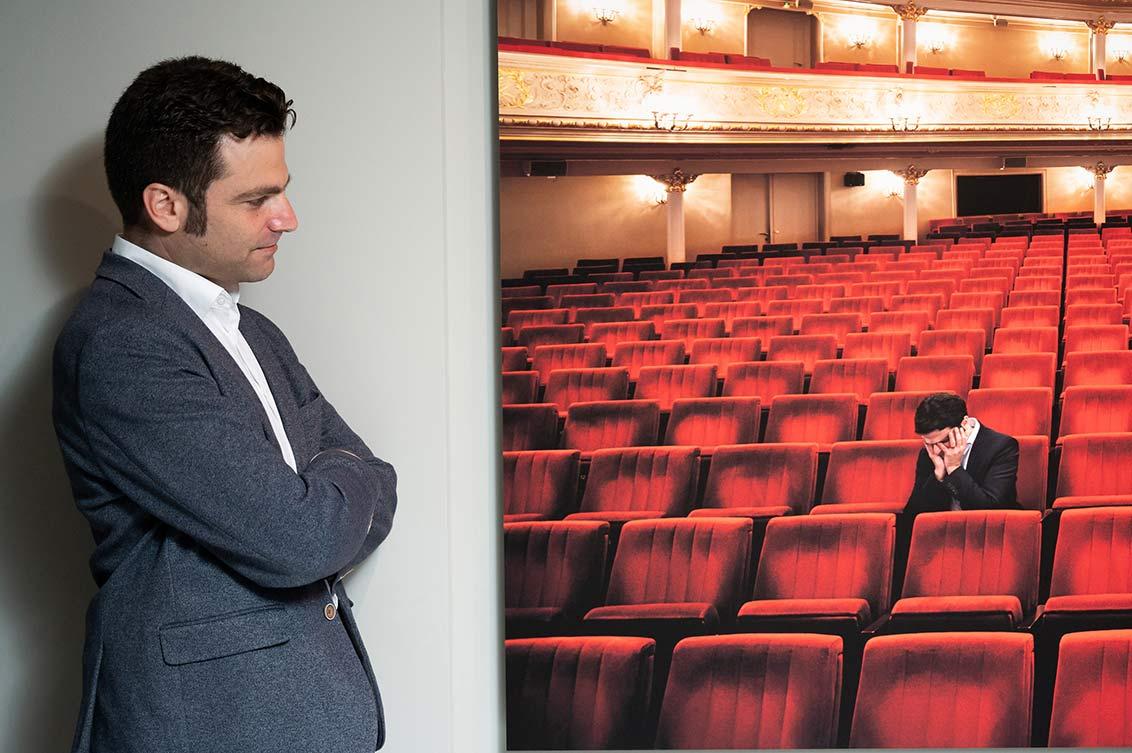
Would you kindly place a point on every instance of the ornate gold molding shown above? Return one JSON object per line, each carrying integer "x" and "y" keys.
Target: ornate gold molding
{"x": 1100, "y": 170}
{"x": 911, "y": 174}
{"x": 910, "y": 11}
{"x": 1100, "y": 25}
{"x": 675, "y": 181}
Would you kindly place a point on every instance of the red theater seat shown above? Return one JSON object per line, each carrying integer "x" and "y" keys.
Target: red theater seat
{"x": 506, "y": 337}
{"x": 723, "y": 351}
{"x": 616, "y": 423}
{"x": 631, "y": 483}
{"x": 1098, "y": 368}
{"x": 921, "y": 286}
{"x": 954, "y": 342}
{"x": 1019, "y": 370}
{"x": 760, "y": 481}
{"x": 820, "y": 419}
{"x": 1015, "y": 411}
{"x": 1033, "y": 471}
{"x": 970, "y": 570}
{"x": 891, "y": 415}
{"x": 550, "y": 679}
{"x": 667, "y": 383}
{"x": 516, "y": 320}
{"x": 514, "y": 359}
{"x": 945, "y": 690}
{"x": 525, "y": 303}
{"x": 859, "y": 376}
{"x": 1092, "y": 691}
{"x": 707, "y": 422}
{"x": 838, "y": 325}
{"x": 521, "y": 291}
{"x": 930, "y": 304}
{"x": 565, "y": 387}
{"x": 530, "y": 427}
{"x": 703, "y": 297}
{"x": 1095, "y": 410}
{"x": 953, "y": 373}
{"x": 911, "y": 322}
{"x": 866, "y": 306}
{"x": 1087, "y": 338}
{"x": 534, "y": 335}
{"x": 805, "y": 348}
{"x": 639, "y": 300}
{"x": 873, "y": 476}
{"x": 610, "y": 334}
{"x": 796, "y": 309}
{"x": 635, "y": 355}
{"x": 589, "y": 317}
{"x": 827, "y": 573}
{"x": 552, "y": 574}
{"x": 556, "y": 292}
{"x": 973, "y": 318}
{"x": 1096, "y": 469}
{"x": 1087, "y": 314}
{"x": 752, "y": 691}
{"x": 665, "y": 312}
{"x": 1034, "y": 297}
{"x": 687, "y": 330}
{"x": 891, "y": 346}
{"x": 729, "y": 312}
{"x": 764, "y": 380}
{"x": 586, "y": 300}
{"x": 1026, "y": 340}
{"x": 883, "y": 290}
{"x": 539, "y": 484}
{"x": 1090, "y": 297}
{"x": 762, "y": 327}
{"x": 547, "y": 358}
{"x": 1092, "y": 566}
{"x": 681, "y": 575}
{"x": 519, "y": 387}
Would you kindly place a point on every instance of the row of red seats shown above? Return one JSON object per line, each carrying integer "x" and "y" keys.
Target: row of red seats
{"x": 933, "y": 690}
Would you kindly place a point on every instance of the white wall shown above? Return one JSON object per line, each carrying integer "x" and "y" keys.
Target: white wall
{"x": 391, "y": 161}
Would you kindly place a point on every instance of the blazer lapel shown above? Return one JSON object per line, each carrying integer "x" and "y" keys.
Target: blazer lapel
{"x": 280, "y": 385}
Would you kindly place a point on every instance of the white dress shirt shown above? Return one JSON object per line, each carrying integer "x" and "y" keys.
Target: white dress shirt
{"x": 967, "y": 454}
{"x": 217, "y": 308}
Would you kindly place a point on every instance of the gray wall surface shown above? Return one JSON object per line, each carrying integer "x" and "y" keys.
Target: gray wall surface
{"x": 385, "y": 291}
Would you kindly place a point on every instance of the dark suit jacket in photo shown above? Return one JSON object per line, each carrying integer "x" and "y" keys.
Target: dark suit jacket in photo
{"x": 208, "y": 631}
{"x": 988, "y": 482}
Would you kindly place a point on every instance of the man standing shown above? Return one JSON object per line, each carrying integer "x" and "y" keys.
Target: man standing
{"x": 226, "y": 496}
{"x": 964, "y": 465}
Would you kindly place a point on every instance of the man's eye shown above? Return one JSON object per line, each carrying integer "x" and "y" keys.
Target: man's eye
{"x": 258, "y": 202}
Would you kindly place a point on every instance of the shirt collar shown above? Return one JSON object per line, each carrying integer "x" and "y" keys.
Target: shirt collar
{"x": 199, "y": 293}
{"x": 973, "y": 434}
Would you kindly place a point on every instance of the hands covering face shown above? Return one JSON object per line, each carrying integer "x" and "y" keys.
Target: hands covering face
{"x": 947, "y": 455}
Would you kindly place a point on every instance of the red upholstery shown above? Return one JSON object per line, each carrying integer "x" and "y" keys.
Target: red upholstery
{"x": 610, "y": 334}
{"x": 588, "y": 317}
{"x": 1096, "y": 469}
{"x": 945, "y": 690}
{"x": 798, "y": 309}
{"x": 1089, "y": 280}
{"x": 929, "y": 302}
{"x": 1038, "y": 282}
{"x": 762, "y": 327}
{"x": 525, "y": 303}
{"x": 1087, "y": 314}
{"x": 639, "y": 300}
{"x": 838, "y": 325}
{"x": 1026, "y": 339}
{"x": 747, "y": 61}
{"x": 891, "y": 415}
{"x": 1019, "y": 370}
{"x": 972, "y": 318}
{"x": 557, "y": 291}
{"x": 1015, "y": 411}
{"x": 1092, "y": 696}
{"x": 864, "y": 305}
{"x": 817, "y": 568}
{"x": 760, "y": 480}
{"x": 663, "y": 312}
{"x": 552, "y": 574}
{"x": 534, "y": 335}
{"x": 764, "y": 380}
{"x": 731, "y": 311}
{"x": 1098, "y": 368}
{"x": 659, "y": 481}
{"x": 577, "y": 692}
{"x": 506, "y": 337}
{"x": 944, "y": 288}
{"x": 519, "y": 387}
{"x": 761, "y": 295}
{"x": 954, "y": 342}
{"x": 723, "y": 351}
{"x": 1034, "y": 297}
{"x": 707, "y": 422}
{"x": 1092, "y": 563}
{"x": 680, "y": 568}
{"x": 565, "y": 387}
{"x": 539, "y": 484}
{"x": 821, "y": 419}
{"x": 891, "y": 346}
{"x": 956, "y": 559}
{"x": 586, "y": 300}
{"x": 667, "y": 383}
{"x": 687, "y": 330}
{"x": 912, "y": 322}
{"x": 530, "y": 427}
{"x": 514, "y": 359}
{"x": 521, "y": 291}
{"x": 878, "y": 472}
{"x": 859, "y": 376}
{"x": 752, "y": 691}
{"x": 805, "y": 348}
{"x": 634, "y": 355}
{"x": 699, "y": 57}
{"x": 1096, "y": 410}
{"x": 935, "y": 373}
{"x": 1093, "y": 337}
{"x": 617, "y": 423}
{"x": 703, "y": 297}
{"x": 1090, "y": 297}
{"x": 547, "y": 358}
{"x": 531, "y": 317}
{"x": 1033, "y": 471}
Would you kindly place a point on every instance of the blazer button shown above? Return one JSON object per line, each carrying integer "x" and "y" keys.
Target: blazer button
{"x": 329, "y": 611}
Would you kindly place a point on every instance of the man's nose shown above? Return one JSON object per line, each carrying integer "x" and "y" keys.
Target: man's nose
{"x": 284, "y": 220}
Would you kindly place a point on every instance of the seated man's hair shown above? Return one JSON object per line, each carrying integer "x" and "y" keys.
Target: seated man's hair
{"x": 943, "y": 410}
{"x": 166, "y": 128}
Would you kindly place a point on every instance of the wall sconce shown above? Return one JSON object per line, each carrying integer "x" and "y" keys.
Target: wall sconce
{"x": 934, "y": 38}
{"x": 605, "y": 15}
{"x": 905, "y": 122}
{"x": 860, "y": 39}
{"x": 1100, "y": 122}
{"x": 703, "y": 25}
{"x": 671, "y": 121}
{"x": 859, "y": 32}
{"x": 650, "y": 191}
{"x": 1057, "y": 48}
{"x": 1118, "y": 48}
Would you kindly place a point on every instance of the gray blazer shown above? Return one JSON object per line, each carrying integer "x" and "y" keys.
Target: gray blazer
{"x": 208, "y": 631}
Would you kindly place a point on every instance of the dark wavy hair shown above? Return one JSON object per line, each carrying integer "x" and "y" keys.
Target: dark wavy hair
{"x": 943, "y": 410}
{"x": 166, "y": 128}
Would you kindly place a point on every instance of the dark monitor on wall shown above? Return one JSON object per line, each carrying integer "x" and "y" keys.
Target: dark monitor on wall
{"x": 1012, "y": 193}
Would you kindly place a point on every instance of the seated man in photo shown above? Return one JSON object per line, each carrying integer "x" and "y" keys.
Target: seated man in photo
{"x": 964, "y": 465}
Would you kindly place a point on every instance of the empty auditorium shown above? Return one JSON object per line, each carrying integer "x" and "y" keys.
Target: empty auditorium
{"x": 816, "y": 388}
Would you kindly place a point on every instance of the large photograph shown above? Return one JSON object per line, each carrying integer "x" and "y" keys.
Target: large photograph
{"x": 816, "y": 382}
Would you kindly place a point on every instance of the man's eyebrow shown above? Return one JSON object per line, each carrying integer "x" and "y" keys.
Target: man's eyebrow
{"x": 262, "y": 191}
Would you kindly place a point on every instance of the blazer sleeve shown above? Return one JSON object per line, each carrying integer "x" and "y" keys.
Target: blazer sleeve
{"x": 928, "y": 494}
{"x": 999, "y": 487}
{"x": 159, "y": 429}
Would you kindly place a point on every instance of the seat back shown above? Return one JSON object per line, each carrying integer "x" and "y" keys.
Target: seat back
{"x": 764, "y": 379}
{"x": 1093, "y": 337}
{"x": 1090, "y": 695}
{"x": 565, "y": 387}
{"x": 1096, "y": 410}
{"x": 767, "y": 475}
{"x": 838, "y": 325}
{"x": 912, "y": 322}
{"x": 547, "y": 358}
{"x": 540, "y": 482}
{"x": 953, "y": 373}
{"x": 1011, "y": 370}
{"x": 614, "y": 423}
{"x": 877, "y": 471}
{"x": 723, "y": 351}
{"x": 668, "y": 383}
{"x": 805, "y": 348}
{"x": 1015, "y": 411}
{"x": 688, "y": 330}
{"x": 828, "y": 557}
{"x": 707, "y": 422}
{"x": 550, "y": 679}
{"x": 1030, "y": 316}
{"x": 637, "y": 479}
{"x": 976, "y": 553}
{"x": 945, "y": 690}
{"x": 1093, "y": 554}
{"x": 1098, "y": 368}
{"x": 530, "y": 427}
{"x": 762, "y": 327}
{"x": 823, "y": 419}
{"x": 891, "y": 415}
{"x": 634, "y": 355}
{"x": 858, "y": 376}
{"x": 891, "y": 346}
{"x": 954, "y": 342}
{"x": 555, "y": 564}
{"x": 610, "y": 334}
{"x": 752, "y": 691}
{"x": 518, "y": 387}
{"x": 1026, "y": 340}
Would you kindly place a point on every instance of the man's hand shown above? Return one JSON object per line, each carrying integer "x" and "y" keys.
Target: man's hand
{"x": 952, "y": 451}
{"x": 935, "y": 454}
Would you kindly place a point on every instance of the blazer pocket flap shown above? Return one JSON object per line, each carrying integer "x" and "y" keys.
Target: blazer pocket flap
{"x": 223, "y": 635}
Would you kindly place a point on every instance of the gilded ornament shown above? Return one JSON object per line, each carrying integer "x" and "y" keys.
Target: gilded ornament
{"x": 513, "y": 88}
{"x": 909, "y": 11}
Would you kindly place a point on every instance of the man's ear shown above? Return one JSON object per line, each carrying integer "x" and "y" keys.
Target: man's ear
{"x": 165, "y": 207}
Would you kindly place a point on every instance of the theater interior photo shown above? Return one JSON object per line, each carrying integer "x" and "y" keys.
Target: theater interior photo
{"x": 740, "y": 243}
